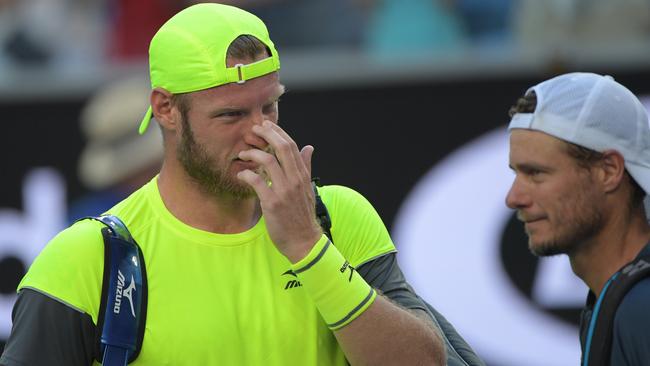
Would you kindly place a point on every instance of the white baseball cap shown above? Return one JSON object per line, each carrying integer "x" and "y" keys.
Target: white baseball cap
{"x": 596, "y": 112}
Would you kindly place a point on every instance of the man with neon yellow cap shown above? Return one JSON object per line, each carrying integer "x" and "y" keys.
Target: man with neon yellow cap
{"x": 239, "y": 271}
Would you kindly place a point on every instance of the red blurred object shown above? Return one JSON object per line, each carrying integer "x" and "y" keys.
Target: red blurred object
{"x": 133, "y": 23}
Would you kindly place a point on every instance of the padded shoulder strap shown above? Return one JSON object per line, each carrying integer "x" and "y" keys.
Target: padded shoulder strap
{"x": 322, "y": 215}
{"x": 598, "y": 346}
{"x": 123, "y": 309}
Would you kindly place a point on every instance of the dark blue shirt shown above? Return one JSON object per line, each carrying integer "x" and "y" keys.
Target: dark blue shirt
{"x": 631, "y": 338}
{"x": 631, "y": 332}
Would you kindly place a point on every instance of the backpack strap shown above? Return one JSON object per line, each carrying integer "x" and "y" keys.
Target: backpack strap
{"x": 598, "y": 345}
{"x": 322, "y": 215}
{"x": 123, "y": 308}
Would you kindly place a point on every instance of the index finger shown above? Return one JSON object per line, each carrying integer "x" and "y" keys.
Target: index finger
{"x": 305, "y": 167}
{"x": 286, "y": 150}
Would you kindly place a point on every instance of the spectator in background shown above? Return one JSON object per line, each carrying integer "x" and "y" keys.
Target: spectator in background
{"x": 585, "y": 23}
{"x": 51, "y": 33}
{"x": 133, "y": 23}
{"x": 116, "y": 160}
{"x": 487, "y": 22}
{"x": 413, "y": 26}
{"x": 23, "y": 39}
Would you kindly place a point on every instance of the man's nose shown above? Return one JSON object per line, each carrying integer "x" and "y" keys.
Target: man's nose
{"x": 250, "y": 137}
{"x": 517, "y": 196}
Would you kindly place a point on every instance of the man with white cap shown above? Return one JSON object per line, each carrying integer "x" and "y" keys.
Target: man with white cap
{"x": 580, "y": 151}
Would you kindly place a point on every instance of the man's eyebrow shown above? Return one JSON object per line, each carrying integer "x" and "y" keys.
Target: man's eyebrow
{"x": 227, "y": 109}
{"x": 530, "y": 166}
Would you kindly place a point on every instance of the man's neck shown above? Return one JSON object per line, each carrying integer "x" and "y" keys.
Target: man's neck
{"x": 190, "y": 204}
{"x": 620, "y": 241}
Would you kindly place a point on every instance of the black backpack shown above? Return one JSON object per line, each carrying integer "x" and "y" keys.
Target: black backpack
{"x": 598, "y": 344}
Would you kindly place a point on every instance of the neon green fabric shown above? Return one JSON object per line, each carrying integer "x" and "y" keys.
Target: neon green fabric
{"x": 214, "y": 299}
{"x": 188, "y": 53}
{"x": 330, "y": 281}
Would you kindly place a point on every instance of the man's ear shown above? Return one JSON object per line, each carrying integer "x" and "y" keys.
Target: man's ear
{"x": 163, "y": 109}
{"x": 612, "y": 168}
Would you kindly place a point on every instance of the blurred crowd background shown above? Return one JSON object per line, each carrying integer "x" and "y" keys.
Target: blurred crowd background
{"x": 404, "y": 100}
{"x": 63, "y": 35}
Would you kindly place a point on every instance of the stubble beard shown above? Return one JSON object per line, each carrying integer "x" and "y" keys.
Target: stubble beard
{"x": 206, "y": 172}
{"x": 572, "y": 230}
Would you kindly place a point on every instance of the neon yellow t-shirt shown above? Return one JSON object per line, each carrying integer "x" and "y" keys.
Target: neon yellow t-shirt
{"x": 213, "y": 299}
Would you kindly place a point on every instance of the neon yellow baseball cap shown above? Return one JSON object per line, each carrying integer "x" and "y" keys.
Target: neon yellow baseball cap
{"x": 188, "y": 53}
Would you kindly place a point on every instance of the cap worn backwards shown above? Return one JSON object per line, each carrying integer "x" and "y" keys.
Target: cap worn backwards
{"x": 595, "y": 112}
{"x": 188, "y": 53}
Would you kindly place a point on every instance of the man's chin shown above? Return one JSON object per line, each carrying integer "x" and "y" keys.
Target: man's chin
{"x": 546, "y": 249}
{"x": 241, "y": 191}
{"x": 228, "y": 188}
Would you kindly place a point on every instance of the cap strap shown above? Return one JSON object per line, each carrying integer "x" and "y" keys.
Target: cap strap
{"x": 521, "y": 120}
{"x": 240, "y": 73}
{"x": 145, "y": 121}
